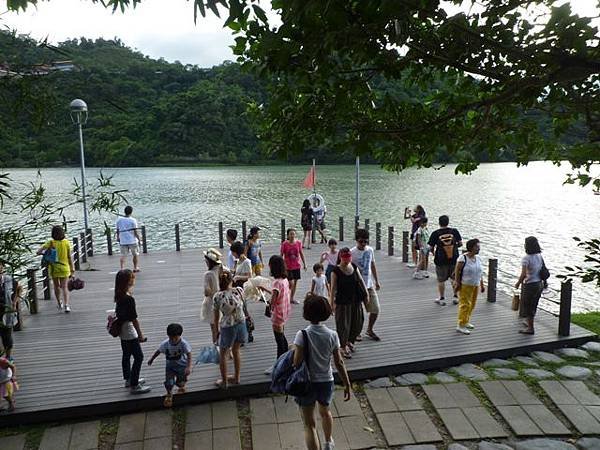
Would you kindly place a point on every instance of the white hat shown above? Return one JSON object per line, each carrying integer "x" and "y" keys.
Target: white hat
{"x": 214, "y": 255}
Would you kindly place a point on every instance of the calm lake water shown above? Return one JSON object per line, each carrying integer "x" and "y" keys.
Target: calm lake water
{"x": 500, "y": 204}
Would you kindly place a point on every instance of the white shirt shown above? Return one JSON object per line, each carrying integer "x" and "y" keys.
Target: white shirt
{"x": 323, "y": 342}
{"x": 320, "y": 286}
{"x": 126, "y": 226}
{"x": 243, "y": 268}
{"x": 472, "y": 270}
{"x": 533, "y": 265}
{"x": 363, "y": 259}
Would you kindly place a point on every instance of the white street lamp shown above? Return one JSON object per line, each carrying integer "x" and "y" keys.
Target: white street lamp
{"x": 79, "y": 116}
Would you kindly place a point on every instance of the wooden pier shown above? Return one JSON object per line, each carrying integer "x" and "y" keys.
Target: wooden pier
{"x": 70, "y": 367}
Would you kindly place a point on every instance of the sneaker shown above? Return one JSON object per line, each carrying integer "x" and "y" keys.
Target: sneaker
{"x": 425, "y": 274}
{"x": 269, "y": 371}
{"x": 441, "y": 301}
{"x": 417, "y": 276}
{"x": 60, "y": 306}
{"x": 462, "y": 330}
{"x": 140, "y": 389}
{"x": 469, "y": 326}
{"x": 294, "y": 302}
{"x": 330, "y": 445}
{"x": 140, "y": 381}
{"x": 67, "y": 309}
{"x": 455, "y": 301}
{"x": 410, "y": 265}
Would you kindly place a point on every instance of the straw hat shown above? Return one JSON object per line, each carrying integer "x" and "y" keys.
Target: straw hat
{"x": 214, "y": 255}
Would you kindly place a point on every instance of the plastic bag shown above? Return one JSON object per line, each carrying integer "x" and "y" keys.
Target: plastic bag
{"x": 208, "y": 355}
{"x": 251, "y": 291}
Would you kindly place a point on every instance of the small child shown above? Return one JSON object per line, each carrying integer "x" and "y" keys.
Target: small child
{"x": 422, "y": 237}
{"x": 8, "y": 382}
{"x": 179, "y": 361}
{"x": 331, "y": 257}
{"x": 319, "y": 286}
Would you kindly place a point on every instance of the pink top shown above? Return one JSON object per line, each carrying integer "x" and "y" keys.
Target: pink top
{"x": 291, "y": 254}
{"x": 281, "y": 308}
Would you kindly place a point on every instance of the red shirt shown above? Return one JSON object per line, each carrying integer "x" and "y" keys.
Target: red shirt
{"x": 291, "y": 254}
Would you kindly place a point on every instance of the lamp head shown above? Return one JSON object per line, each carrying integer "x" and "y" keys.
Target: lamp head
{"x": 79, "y": 111}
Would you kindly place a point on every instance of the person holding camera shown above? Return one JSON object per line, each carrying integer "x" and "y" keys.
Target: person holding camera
{"x": 415, "y": 220}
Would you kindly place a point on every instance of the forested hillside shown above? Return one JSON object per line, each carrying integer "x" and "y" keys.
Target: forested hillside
{"x": 142, "y": 111}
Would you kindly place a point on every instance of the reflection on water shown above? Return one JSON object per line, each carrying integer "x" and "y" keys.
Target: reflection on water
{"x": 500, "y": 204}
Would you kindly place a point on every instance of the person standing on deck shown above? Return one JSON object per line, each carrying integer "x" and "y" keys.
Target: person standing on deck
{"x": 530, "y": 281}
{"x": 231, "y": 236}
{"x": 415, "y": 220}
{"x": 291, "y": 251}
{"x": 467, "y": 282}
{"x": 306, "y": 221}
{"x": 254, "y": 250}
{"x": 128, "y": 238}
{"x": 444, "y": 243}
{"x": 212, "y": 257}
{"x": 319, "y": 212}
{"x": 363, "y": 256}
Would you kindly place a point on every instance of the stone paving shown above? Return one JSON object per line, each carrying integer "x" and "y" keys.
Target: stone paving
{"x": 557, "y": 406}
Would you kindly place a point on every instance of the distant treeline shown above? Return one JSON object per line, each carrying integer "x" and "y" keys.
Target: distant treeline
{"x": 142, "y": 111}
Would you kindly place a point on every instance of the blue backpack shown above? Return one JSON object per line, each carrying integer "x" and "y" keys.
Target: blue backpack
{"x": 286, "y": 379}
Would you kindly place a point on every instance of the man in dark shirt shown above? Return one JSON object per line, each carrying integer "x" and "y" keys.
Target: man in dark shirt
{"x": 444, "y": 243}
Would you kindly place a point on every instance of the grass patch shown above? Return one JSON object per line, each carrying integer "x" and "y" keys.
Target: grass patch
{"x": 107, "y": 434}
{"x": 589, "y": 321}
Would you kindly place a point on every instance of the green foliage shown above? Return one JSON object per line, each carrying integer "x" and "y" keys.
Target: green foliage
{"x": 589, "y": 321}
{"x": 590, "y": 272}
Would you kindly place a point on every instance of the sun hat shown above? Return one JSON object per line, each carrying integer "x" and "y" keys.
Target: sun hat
{"x": 214, "y": 255}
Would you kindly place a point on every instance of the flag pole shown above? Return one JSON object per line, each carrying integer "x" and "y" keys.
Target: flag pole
{"x": 357, "y": 209}
{"x": 314, "y": 178}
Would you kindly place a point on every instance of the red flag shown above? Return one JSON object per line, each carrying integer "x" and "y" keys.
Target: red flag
{"x": 311, "y": 178}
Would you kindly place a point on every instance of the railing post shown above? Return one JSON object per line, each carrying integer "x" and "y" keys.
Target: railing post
{"x": 492, "y": 279}
{"x": 405, "y": 246}
{"x": 244, "y": 231}
{"x": 390, "y": 241}
{"x": 76, "y": 258}
{"x": 220, "y": 234}
{"x": 377, "y": 235}
{"x": 283, "y": 236}
{"x": 46, "y": 282}
{"x": 90, "y": 242}
{"x": 32, "y": 291}
{"x": 144, "y": 243}
{"x": 341, "y": 228}
{"x": 64, "y": 224}
{"x": 82, "y": 247}
{"x": 356, "y": 223}
{"x": 367, "y": 228}
{"x": 177, "y": 241}
{"x": 109, "y": 241}
{"x": 564, "y": 316}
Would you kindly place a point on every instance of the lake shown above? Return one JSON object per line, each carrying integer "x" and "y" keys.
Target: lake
{"x": 499, "y": 203}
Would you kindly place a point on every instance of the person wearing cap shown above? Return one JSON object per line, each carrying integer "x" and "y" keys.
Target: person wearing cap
{"x": 254, "y": 250}
{"x": 348, "y": 292}
{"x": 212, "y": 257}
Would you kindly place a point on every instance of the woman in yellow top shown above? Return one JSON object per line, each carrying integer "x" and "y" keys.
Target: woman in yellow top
{"x": 62, "y": 269}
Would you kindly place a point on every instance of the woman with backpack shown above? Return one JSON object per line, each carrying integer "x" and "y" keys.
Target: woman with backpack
{"x": 468, "y": 281}
{"x": 60, "y": 265}
{"x": 348, "y": 292}
{"x": 323, "y": 345}
{"x": 530, "y": 281}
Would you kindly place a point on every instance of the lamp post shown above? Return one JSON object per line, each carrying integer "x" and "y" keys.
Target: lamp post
{"x": 79, "y": 115}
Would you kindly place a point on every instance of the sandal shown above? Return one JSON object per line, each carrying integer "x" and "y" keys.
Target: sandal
{"x": 373, "y": 336}
{"x": 220, "y": 384}
{"x": 168, "y": 401}
{"x": 350, "y": 347}
{"x": 359, "y": 338}
{"x": 181, "y": 390}
{"x": 346, "y": 354}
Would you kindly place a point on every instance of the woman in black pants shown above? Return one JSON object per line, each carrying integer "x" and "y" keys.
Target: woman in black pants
{"x": 131, "y": 334}
{"x": 530, "y": 282}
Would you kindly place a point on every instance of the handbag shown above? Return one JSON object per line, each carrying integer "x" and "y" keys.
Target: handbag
{"x": 516, "y": 301}
{"x": 299, "y": 382}
{"x": 268, "y": 310}
{"x": 113, "y": 325}
{"x": 362, "y": 293}
{"x": 544, "y": 272}
{"x": 74, "y": 284}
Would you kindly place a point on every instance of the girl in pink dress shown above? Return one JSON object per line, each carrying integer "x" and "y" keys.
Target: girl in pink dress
{"x": 280, "y": 307}
{"x": 291, "y": 250}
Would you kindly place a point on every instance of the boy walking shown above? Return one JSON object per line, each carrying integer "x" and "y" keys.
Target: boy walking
{"x": 363, "y": 256}
{"x": 444, "y": 243}
{"x": 128, "y": 237}
{"x": 178, "y": 353}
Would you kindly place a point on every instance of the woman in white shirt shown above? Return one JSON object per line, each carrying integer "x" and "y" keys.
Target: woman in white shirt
{"x": 468, "y": 282}
{"x": 530, "y": 281}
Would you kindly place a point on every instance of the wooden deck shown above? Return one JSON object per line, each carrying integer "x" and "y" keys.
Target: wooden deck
{"x": 69, "y": 367}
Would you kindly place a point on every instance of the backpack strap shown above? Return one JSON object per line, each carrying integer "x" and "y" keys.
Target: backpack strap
{"x": 306, "y": 349}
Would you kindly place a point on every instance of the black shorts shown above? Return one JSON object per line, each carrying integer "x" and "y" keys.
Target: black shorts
{"x": 307, "y": 227}
{"x": 6, "y": 336}
{"x": 293, "y": 274}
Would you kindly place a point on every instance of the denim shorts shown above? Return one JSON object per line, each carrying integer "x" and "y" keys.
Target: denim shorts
{"x": 320, "y": 392}
{"x": 236, "y": 333}
{"x": 175, "y": 374}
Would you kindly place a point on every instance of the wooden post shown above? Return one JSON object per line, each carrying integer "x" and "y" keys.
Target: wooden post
{"x": 564, "y": 316}
{"x": 356, "y": 223}
{"x": 377, "y": 235}
{"x": 220, "y": 234}
{"x": 109, "y": 241}
{"x": 90, "y": 242}
{"x": 76, "y": 260}
{"x": 244, "y": 231}
{"x": 46, "y": 282}
{"x": 32, "y": 291}
{"x": 144, "y": 242}
{"x": 283, "y": 236}
{"x": 82, "y": 247}
{"x": 177, "y": 242}
{"x": 405, "y": 246}
{"x": 390, "y": 241}
{"x": 492, "y": 279}
{"x": 341, "y": 228}
{"x": 64, "y": 224}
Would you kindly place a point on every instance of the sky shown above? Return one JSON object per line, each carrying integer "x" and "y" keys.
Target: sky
{"x": 151, "y": 28}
